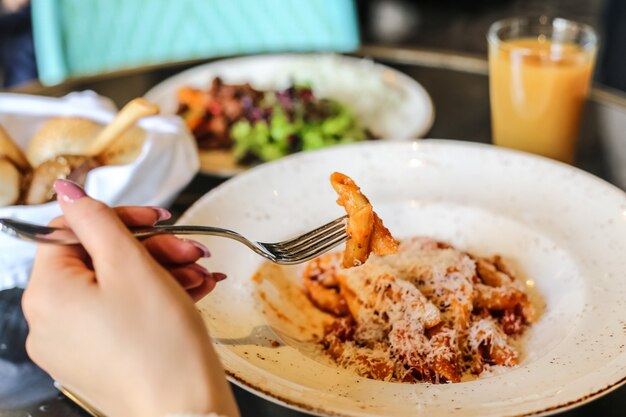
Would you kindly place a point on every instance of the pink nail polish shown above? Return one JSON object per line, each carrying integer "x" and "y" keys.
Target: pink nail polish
{"x": 200, "y": 269}
{"x": 204, "y": 251}
{"x": 218, "y": 276}
{"x": 68, "y": 191}
{"x": 162, "y": 214}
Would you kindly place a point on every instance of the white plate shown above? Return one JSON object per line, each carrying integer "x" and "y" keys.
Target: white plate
{"x": 565, "y": 229}
{"x": 388, "y": 102}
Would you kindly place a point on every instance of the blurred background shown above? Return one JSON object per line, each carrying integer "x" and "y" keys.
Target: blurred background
{"x": 450, "y": 25}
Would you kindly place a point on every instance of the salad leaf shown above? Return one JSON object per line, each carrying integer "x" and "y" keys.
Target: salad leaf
{"x": 297, "y": 121}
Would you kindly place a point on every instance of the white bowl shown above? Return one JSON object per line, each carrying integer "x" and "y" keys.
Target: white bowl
{"x": 565, "y": 229}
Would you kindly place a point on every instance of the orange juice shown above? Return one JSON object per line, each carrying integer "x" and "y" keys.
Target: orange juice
{"x": 537, "y": 90}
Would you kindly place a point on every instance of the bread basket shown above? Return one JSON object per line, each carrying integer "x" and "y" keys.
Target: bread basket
{"x": 162, "y": 165}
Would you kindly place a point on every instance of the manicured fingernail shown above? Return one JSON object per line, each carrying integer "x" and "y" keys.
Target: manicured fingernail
{"x": 218, "y": 276}
{"x": 204, "y": 251}
{"x": 68, "y": 190}
{"x": 162, "y": 214}
{"x": 200, "y": 269}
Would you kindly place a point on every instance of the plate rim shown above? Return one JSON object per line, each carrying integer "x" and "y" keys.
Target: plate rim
{"x": 303, "y": 407}
{"x": 437, "y": 142}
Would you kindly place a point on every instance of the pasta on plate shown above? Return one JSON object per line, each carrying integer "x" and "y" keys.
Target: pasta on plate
{"x": 418, "y": 310}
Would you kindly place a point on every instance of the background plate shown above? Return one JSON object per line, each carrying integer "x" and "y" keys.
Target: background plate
{"x": 388, "y": 102}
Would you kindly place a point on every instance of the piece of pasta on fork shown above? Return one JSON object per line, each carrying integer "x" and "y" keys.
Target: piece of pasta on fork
{"x": 366, "y": 231}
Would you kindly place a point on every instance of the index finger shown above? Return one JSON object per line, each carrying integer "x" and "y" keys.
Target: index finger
{"x": 56, "y": 266}
{"x": 60, "y": 254}
{"x": 131, "y": 216}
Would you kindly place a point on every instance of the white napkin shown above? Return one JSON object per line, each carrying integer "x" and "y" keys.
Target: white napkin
{"x": 166, "y": 164}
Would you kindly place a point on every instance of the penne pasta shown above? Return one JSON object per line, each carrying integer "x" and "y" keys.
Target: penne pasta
{"x": 419, "y": 311}
{"x": 366, "y": 232}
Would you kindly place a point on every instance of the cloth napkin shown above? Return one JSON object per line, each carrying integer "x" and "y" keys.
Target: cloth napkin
{"x": 166, "y": 164}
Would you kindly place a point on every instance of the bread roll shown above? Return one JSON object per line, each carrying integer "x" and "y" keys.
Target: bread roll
{"x": 69, "y": 147}
{"x": 12, "y": 152}
{"x": 74, "y": 135}
{"x": 10, "y": 179}
{"x": 71, "y": 167}
{"x": 61, "y": 136}
{"x": 126, "y": 149}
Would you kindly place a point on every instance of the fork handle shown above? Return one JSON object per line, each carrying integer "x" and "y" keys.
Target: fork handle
{"x": 65, "y": 236}
{"x": 146, "y": 232}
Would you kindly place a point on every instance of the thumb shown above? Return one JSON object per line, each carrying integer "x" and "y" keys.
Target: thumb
{"x": 99, "y": 229}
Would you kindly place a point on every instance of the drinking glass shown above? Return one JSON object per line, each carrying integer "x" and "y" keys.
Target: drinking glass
{"x": 539, "y": 74}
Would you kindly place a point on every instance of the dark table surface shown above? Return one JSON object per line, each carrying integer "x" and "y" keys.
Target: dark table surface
{"x": 458, "y": 86}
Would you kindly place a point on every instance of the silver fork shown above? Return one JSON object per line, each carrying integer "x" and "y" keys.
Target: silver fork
{"x": 288, "y": 252}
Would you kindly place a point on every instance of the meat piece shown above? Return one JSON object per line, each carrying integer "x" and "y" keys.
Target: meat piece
{"x": 210, "y": 114}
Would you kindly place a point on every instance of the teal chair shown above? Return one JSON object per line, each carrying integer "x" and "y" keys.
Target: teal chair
{"x": 76, "y": 38}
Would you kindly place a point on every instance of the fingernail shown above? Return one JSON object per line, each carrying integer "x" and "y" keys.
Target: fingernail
{"x": 218, "y": 276}
{"x": 200, "y": 269}
{"x": 68, "y": 190}
{"x": 162, "y": 214}
{"x": 204, "y": 251}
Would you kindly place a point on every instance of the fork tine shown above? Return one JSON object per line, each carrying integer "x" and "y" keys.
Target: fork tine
{"x": 314, "y": 251}
{"x": 300, "y": 246}
{"x": 315, "y": 247}
{"x": 308, "y": 245}
{"x": 311, "y": 236}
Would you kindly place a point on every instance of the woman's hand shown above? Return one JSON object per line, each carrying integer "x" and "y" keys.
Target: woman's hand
{"x": 109, "y": 320}
{"x": 176, "y": 255}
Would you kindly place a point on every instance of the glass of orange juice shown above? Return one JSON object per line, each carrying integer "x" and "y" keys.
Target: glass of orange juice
{"x": 539, "y": 74}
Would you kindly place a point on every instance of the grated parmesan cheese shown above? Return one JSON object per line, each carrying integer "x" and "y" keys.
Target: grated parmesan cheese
{"x": 413, "y": 317}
